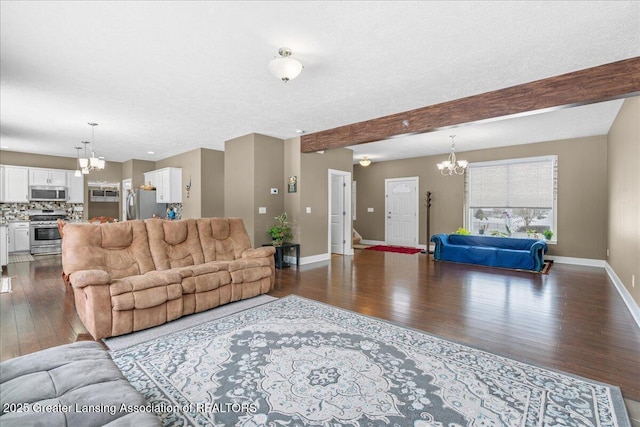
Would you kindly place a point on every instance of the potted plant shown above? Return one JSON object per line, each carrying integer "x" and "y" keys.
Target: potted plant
{"x": 280, "y": 231}
{"x": 462, "y": 231}
{"x": 548, "y": 234}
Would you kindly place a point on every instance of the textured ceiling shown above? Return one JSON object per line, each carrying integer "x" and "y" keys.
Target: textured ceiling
{"x": 169, "y": 76}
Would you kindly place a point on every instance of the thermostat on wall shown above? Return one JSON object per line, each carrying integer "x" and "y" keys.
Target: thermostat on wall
{"x": 274, "y": 191}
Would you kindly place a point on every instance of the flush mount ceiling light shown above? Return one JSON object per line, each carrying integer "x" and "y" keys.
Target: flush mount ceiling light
{"x": 284, "y": 66}
{"x": 452, "y": 166}
{"x": 365, "y": 161}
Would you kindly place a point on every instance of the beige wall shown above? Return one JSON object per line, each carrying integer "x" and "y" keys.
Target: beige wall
{"x": 313, "y": 185}
{"x": 292, "y": 200}
{"x": 624, "y": 196}
{"x": 37, "y": 160}
{"x": 191, "y": 165}
{"x": 212, "y": 183}
{"x": 582, "y": 193}
{"x": 238, "y": 180}
{"x": 269, "y": 173}
{"x": 253, "y": 164}
{"x": 135, "y": 169}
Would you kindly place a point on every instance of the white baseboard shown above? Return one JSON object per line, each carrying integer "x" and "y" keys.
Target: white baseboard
{"x": 308, "y": 259}
{"x": 624, "y": 293}
{"x": 373, "y": 242}
{"x": 587, "y": 262}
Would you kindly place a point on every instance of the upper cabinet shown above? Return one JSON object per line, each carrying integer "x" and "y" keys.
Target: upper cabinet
{"x": 76, "y": 187}
{"x": 168, "y": 183}
{"x": 151, "y": 178}
{"x": 15, "y": 184}
{"x": 48, "y": 177}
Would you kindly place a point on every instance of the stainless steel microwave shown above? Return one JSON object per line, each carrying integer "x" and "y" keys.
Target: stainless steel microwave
{"x": 47, "y": 193}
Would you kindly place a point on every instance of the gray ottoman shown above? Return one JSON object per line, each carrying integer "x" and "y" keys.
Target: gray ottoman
{"x": 72, "y": 385}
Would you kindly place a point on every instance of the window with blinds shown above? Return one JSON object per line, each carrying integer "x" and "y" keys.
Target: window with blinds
{"x": 512, "y": 197}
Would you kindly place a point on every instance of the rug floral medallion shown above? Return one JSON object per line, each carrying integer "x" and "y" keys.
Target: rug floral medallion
{"x": 296, "y": 362}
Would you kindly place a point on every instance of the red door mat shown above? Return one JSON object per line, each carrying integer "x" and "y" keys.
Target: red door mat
{"x": 398, "y": 249}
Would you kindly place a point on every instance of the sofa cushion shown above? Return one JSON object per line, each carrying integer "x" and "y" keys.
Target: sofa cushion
{"x": 174, "y": 243}
{"x": 222, "y": 239}
{"x": 121, "y": 249}
{"x": 492, "y": 242}
{"x": 73, "y": 376}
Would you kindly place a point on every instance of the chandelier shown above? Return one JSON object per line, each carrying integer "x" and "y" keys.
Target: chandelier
{"x": 452, "y": 166}
{"x": 93, "y": 163}
{"x": 365, "y": 161}
{"x": 284, "y": 66}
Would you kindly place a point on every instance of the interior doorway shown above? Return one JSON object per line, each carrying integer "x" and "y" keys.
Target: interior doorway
{"x": 340, "y": 240}
{"x": 401, "y": 210}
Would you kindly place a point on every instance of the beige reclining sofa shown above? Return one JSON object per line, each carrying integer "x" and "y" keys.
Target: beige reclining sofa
{"x": 133, "y": 275}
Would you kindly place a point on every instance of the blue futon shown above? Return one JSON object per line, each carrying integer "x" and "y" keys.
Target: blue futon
{"x": 504, "y": 252}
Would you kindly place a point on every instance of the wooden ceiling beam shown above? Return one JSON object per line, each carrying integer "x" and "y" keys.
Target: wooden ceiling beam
{"x": 602, "y": 83}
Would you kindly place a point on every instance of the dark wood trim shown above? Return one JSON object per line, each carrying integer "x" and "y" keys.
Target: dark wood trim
{"x": 602, "y": 83}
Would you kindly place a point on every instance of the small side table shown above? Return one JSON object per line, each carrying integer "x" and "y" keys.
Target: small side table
{"x": 279, "y": 255}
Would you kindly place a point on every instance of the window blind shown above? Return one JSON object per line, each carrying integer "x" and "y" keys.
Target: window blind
{"x": 519, "y": 183}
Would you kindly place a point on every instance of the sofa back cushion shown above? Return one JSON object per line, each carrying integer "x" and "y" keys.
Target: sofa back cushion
{"x": 493, "y": 242}
{"x": 174, "y": 243}
{"x": 121, "y": 249}
{"x": 223, "y": 239}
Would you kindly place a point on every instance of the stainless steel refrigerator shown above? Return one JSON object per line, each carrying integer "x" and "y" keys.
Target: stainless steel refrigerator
{"x": 141, "y": 204}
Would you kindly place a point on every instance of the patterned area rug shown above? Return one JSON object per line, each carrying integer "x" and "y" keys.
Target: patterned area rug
{"x": 297, "y": 362}
{"x": 397, "y": 249}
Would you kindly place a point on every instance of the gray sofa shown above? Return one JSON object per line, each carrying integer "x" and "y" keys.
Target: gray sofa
{"x": 71, "y": 385}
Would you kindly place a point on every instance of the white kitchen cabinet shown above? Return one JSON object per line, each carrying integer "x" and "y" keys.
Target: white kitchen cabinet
{"x": 19, "y": 237}
{"x": 51, "y": 177}
{"x": 151, "y": 178}
{"x": 76, "y": 187}
{"x": 15, "y": 184}
{"x": 168, "y": 183}
{"x": 170, "y": 188}
{"x": 4, "y": 249}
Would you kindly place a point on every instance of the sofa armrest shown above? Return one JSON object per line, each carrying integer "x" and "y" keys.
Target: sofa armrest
{"x": 537, "y": 251}
{"x": 440, "y": 240}
{"x": 262, "y": 252}
{"x": 82, "y": 278}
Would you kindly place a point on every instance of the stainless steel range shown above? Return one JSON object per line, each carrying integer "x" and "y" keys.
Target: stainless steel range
{"x": 44, "y": 236}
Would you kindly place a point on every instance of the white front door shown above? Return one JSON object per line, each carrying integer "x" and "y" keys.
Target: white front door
{"x": 337, "y": 214}
{"x": 401, "y": 211}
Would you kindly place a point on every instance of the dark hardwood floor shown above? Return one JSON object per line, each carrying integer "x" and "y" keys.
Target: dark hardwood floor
{"x": 572, "y": 319}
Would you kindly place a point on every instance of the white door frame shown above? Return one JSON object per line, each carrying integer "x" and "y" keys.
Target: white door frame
{"x": 386, "y": 207}
{"x": 347, "y": 229}
{"x": 126, "y": 186}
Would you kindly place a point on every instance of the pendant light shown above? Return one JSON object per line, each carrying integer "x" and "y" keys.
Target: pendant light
{"x": 93, "y": 163}
{"x": 78, "y": 172}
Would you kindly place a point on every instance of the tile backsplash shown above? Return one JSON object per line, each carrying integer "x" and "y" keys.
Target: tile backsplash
{"x": 18, "y": 211}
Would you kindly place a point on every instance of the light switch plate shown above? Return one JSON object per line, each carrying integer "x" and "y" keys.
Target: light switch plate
{"x": 308, "y": 209}
{"x": 369, "y": 209}
{"x": 262, "y": 210}
{"x": 274, "y": 191}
